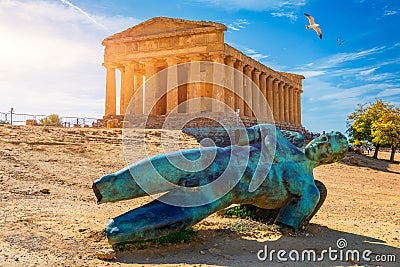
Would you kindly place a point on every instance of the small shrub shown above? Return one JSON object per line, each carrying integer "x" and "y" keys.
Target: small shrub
{"x": 241, "y": 212}
{"x": 52, "y": 120}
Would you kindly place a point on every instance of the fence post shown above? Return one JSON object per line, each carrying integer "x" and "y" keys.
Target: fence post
{"x": 11, "y": 113}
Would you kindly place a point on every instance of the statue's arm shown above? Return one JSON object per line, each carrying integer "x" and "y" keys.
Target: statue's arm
{"x": 300, "y": 205}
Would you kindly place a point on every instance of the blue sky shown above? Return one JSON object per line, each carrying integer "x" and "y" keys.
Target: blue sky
{"x": 51, "y": 51}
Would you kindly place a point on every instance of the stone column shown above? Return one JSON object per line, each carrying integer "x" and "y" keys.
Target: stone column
{"x": 172, "y": 84}
{"x": 208, "y": 87}
{"x": 150, "y": 87}
{"x": 229, "y": 83}
{"x": 281, "y": 93}
{"x": 129, "y": 85}
{"x": 270, "y": 93}
{"x": 287, "y": 107}
{"x": 262, "y": 101}
{"x": 299, "y": 106}
{"x": 183, "y": 76}
{"x": 247, "y": 90}
{"x": 194, "y": 106}
{"x": 276, "y": 100}
{"x": 122, "y": 94}
{"x": 218, "y": 82}
{"x": 239, "y": 103}
{"x": 255, "y": 92}
{"x": 295, "y": 106}
{"x": 292, "y": 105}
{"x": 296, "y": 115}
{"x": 111, "y": 92}
{"x": 161, "y": 88}
{"x": 138, "y": 96}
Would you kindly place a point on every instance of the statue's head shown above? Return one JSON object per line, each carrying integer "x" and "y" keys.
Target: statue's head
{"x": 327, "y": 148}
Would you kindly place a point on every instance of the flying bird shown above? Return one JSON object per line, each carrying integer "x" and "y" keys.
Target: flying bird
{"x": 313, "y": 25}
{"x": 340, "y": 42}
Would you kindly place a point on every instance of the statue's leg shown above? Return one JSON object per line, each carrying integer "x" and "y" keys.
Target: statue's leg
{"x": 298, "y": 208}
{"x": 322, "y": 196}
{"x": 271, "y": 214}
{"x": 157, "y": 219}
{"x": 158, "y": 175}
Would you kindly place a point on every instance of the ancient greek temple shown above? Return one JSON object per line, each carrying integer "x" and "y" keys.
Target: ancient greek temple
{"x": 146, "y": 49}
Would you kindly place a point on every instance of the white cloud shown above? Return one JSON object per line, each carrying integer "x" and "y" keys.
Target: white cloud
{"x": 358, "y": 92}
{"x": 379, "y": 77}
{"x": 344, "y": 94}
{"x": 340, "y": 58}
{"x": 278, "y": 8}
{"x": 238, "y": 24}
{"x": 390, "y": 12}
{"x": 233, "y": 27}
{"x": 117, "y": 23}
{"x": 332, "y": 65}
{"x": 81, "y": 11}
{"x": 389, "y": 92}
{"x": 311, "y": 73}
{"x": 329, "y": 102}
{"x": 242, "y": 21}
{"x": 253, "y": 54}
{"x": 255, "y": 5}
{"x": 51, "y": 57}
{"x": 43, "y": 35}
{"x": 368, "y": 72}
{"x": 249, "y": 51}
{"x": 289, "y": 15}
{"x": 333, "y": 83}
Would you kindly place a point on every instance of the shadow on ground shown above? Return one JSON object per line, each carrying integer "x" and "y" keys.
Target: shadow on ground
{"x": 225, "y": 248}
{"x": 369, "y": 162}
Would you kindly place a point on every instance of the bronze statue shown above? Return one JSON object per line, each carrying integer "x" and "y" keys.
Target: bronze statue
{"x": 258, "y": 166}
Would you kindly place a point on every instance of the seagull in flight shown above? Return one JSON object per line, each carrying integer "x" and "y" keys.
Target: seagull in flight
{"x": 313, "y": 25}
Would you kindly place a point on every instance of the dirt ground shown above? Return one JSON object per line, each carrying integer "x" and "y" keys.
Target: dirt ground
{"x": 49, "y": 215}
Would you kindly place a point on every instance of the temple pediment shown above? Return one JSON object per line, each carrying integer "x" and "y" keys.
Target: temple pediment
{"x": 158, "y": 26}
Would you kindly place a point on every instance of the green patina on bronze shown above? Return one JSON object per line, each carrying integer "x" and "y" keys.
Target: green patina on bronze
{"x": 288, "y": 185}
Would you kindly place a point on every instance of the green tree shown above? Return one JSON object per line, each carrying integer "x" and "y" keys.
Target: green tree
{"x": 386, "y": 129}
{"x": 359, "y": 123}
{"x": 52, "y": 120}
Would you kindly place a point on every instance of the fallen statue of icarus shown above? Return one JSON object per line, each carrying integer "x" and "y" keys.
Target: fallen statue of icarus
{"x": 265, "y": 168}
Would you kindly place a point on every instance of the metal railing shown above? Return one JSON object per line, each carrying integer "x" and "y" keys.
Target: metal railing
{"x": 13, "y": 118}
{"x": 71, "y": 121}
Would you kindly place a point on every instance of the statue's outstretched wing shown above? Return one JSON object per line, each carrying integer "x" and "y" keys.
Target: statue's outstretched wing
{"x": 235, "y": 135}
{"x": 294, "y": 137}
{"x": 223, "y": 136}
